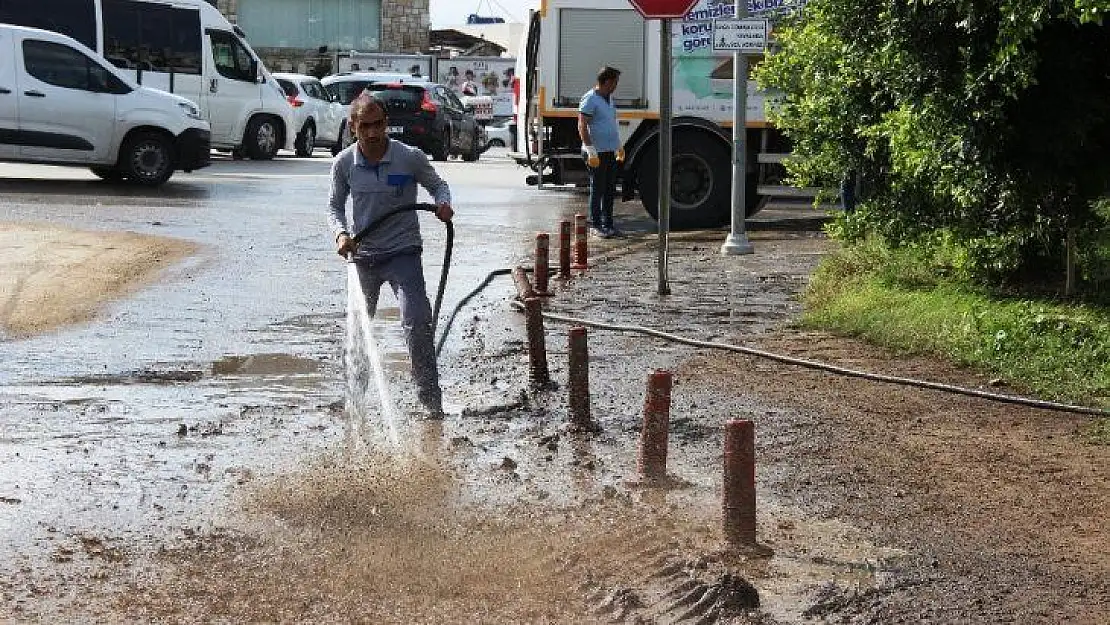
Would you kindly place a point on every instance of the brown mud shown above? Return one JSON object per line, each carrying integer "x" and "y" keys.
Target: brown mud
{"x": 52, "y": 277}
{"x": 877, "y": 503}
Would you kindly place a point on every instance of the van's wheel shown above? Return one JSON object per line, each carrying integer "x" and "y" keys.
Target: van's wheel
{"x": 441, "y": 150}
{"x": 701, "y": 182}
{"x": 147, "y": 159}
{"x": 475, "y": 150}
{"x": 111, "y": 174}
{"x": 343, "y": 141}
{"x": 306, "y": 141}
{"x": 262, "y": 139}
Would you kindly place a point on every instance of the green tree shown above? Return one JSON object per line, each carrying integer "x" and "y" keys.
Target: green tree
{"x": 988, "y": 120}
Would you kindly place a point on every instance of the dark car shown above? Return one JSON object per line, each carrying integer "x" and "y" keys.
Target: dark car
{"x": 421, "y": 113}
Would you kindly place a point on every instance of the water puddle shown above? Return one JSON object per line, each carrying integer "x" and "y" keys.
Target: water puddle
{"x": 265, "y": 364}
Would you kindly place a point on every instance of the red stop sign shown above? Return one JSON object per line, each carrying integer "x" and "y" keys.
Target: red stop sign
{"x": 655, "y": 9}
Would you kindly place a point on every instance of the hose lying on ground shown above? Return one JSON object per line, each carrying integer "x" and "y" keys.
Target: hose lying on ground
{"x": 811, "y": 364}
{"x": 464, "y": 301}
{"x": 790, "y": 360}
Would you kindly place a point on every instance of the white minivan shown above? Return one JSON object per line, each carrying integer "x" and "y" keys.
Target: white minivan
{"x": 185, "y": 47}
{"x": 62, "y": 104}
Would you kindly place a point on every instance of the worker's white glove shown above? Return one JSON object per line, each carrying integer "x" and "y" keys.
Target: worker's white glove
{"x": 592, "y": 159}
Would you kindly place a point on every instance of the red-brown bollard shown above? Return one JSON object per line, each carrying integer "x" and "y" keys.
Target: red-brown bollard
{"x": 540, "y": 270}
{"x": 657, "y": 417}
{"x": 579, "y": 380}
{"x": 580, "y": 250}
{"x": 564, "y": 249}
{"x": 538, "y": 374}
{"x": 523, "y": 284}
{"x": 739, "y": 483}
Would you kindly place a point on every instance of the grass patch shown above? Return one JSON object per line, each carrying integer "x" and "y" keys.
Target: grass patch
{"x": 905, "y": 299}
{"x": 1098, "y": 432}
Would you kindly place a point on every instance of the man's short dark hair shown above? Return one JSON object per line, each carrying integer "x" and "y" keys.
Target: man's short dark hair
{"x": 363, "y": 105}
{"x": 608, "y": 73}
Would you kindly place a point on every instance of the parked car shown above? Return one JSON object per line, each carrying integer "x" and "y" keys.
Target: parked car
{"x": 62, "y": 104}
{"x": 185, "y": 47}
{"x": 348, "y": 85}
{"x": 498, "y": 134}
{"x": 319, "y": 118}
{"x": 421, "y": 113}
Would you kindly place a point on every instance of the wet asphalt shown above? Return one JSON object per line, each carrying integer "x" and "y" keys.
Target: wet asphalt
{"x": 266, "y": 261}
{"x": 231, "y": 363}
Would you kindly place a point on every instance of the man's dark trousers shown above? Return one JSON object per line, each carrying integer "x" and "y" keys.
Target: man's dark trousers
{"x": 603, "y": 187}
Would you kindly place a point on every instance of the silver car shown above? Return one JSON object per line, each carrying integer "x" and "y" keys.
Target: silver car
{"x": 320, "y": 120}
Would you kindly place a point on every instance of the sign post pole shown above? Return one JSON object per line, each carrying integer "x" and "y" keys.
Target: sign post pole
{"x": 737, "y": 242}
{"x": 665, "y": 78}
{"x": 664, "y": 11}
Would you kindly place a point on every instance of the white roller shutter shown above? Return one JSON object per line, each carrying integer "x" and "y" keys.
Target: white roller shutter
{"x": 591, "y": 38}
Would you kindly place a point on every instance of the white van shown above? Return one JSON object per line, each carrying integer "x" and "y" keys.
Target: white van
{"x": 185, "y": 47}
{"x": 62, "y": 104}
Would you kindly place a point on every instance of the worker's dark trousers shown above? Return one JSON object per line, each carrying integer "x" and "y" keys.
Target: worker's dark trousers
{"x": 603, "y": 186}
{"x": 405, "y": 274}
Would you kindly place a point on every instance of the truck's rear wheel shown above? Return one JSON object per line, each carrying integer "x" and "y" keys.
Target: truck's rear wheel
{"x": 701, "y": 182}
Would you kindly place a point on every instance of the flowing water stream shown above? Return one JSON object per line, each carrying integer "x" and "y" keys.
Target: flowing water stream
{"x": 365, "y": 368}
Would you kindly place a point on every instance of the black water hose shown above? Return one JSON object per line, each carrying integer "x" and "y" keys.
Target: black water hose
{"x": 675, "y": 338}
{"x": 790, "y": 360}
{"x": 464, "y": 301}
{"x": 821, "y": 366}
{"x": 447, "y": 249}
{"x": 531, "y": 51}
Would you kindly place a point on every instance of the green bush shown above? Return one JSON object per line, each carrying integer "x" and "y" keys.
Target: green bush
{"x": 988, "y": 122}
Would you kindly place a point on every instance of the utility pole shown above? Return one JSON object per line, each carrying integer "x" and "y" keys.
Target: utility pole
{"x": 737, "y": 242}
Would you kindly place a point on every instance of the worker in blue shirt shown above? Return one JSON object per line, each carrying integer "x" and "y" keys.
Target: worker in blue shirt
{"x": 379, "y": 174}
{"x": 601, "y": 147}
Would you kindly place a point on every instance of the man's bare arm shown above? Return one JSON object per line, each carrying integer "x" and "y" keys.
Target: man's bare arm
{"x": 584, "y": 129}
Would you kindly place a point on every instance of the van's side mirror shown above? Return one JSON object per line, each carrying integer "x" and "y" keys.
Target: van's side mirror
{"x": 254, "y": 71}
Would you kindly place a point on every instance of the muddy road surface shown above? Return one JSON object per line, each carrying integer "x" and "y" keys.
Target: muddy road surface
{"x": 187, "y": 446}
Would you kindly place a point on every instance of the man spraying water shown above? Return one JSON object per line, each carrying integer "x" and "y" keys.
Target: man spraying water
{"x": 380, "y": 174}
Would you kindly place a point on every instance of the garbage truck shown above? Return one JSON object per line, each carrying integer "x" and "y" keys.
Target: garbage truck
{"x": 566, "y": 44}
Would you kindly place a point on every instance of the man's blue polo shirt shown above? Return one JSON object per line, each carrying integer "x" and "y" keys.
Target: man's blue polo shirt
{"x": 602, "y": 121}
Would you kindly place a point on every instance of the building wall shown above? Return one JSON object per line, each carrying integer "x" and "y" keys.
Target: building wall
{"x": 405, "y": 25}
{"x": 230, "y": 9}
